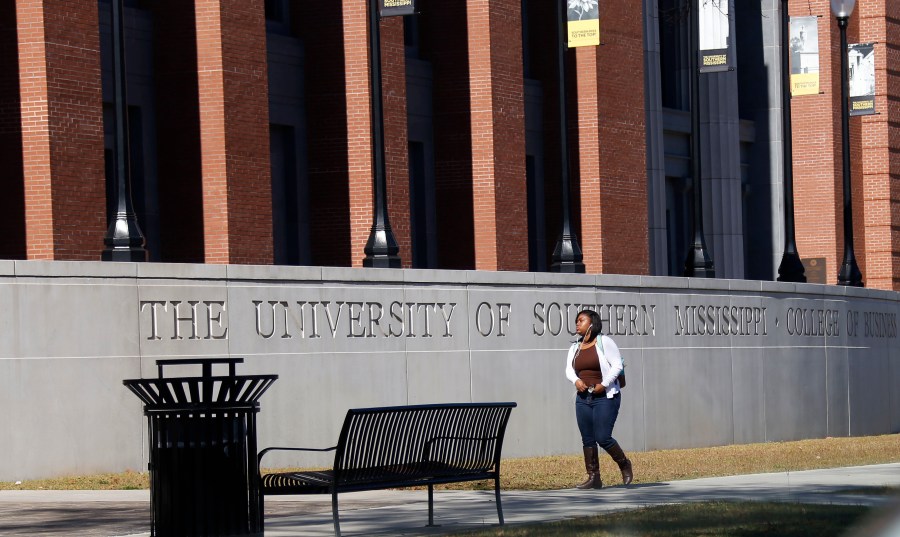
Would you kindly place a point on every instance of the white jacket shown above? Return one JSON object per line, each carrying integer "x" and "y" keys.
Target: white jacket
{"x": 610, "y": 367}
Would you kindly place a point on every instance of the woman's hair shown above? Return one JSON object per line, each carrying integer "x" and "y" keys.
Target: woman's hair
{"x": 596, "y": 322}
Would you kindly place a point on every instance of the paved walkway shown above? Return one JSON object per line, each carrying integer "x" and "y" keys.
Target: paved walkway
{"x": 405, "y": 512}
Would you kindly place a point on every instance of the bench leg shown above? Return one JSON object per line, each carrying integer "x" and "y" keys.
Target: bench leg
{"x": 334, "y": 514}
{"x": 497, "y": 494}
{"x": 262, "y": 514}
{"x": 430, "y": 505}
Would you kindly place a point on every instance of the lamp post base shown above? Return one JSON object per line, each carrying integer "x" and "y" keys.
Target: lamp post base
{"x": 124, "y": 240}
{"x": 567, "y": 257}
{"x": 791, "y": 269}
{"x": 850, "y": 275}
{"x": 699, "y": 264}
{"x": 137, "y": 255}
{"x": 381, "y": 249}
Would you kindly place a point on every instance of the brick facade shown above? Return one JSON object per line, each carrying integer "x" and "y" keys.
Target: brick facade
{"x": 214, "y": 181}
{"x": 498, "y": 135}
{"x": 61, "y": 111}
{"x": 615, "y": 203}
{"x": 359, "y": 125}
{"x": 393, "y": 75}
{"x": 815, "y": 129}
{"x": 875, "y": 168}
{"x": 234, "y": 128}
{"x": 879, "y": 170}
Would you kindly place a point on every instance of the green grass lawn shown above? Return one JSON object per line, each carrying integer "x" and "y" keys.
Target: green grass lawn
{"x": 708, "y": 519}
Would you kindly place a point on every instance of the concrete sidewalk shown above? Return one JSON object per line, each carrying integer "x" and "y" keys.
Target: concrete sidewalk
{"x": 405, "y": 512}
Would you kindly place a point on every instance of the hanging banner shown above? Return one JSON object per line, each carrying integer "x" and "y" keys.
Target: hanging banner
{"x": 714, "y": 28}
{"x": 393, "y": 8}
{"x": 861, "y": 62}
{"x": 584, "y": 23}
{"x": 804, "y": 56}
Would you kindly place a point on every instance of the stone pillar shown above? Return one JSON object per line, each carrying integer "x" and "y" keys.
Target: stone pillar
{"x": 656, "y": 167}
{"x": 720, "y": 154}
{"x": 234, "y": 130}
{"x": 497, "y": 95}
{"x": 62, "y": 128}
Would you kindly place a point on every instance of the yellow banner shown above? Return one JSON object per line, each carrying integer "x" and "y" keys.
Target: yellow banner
{"x": 584, "y": 33}
{"x": 805, "y": 84}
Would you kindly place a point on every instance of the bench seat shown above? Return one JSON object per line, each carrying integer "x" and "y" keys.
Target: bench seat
{"x": 406, "y": 446}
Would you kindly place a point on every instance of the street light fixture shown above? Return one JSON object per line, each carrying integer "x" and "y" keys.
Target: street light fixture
{"x": 849, "y": 273}
{"x": 123, "y": 240}
{"x": 381, "y": 248}
{"x": 699, "y": 264}
{"x": 567, "y": 256}
{"x": 791, "y": 268}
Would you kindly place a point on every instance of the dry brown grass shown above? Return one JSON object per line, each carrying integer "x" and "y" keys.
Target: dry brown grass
{"x": 543, "y": 473}
{"x": 128, "y": 480}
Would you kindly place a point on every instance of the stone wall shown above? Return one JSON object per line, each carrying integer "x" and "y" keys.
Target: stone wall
{"x": 708, "y": 362}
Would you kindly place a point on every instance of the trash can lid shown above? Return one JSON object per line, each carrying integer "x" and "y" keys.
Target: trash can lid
{"x": 207, "y": 390}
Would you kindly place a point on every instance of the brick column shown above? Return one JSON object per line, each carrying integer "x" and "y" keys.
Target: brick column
{"x": 612, "y": 146}
{"x": 816, "y": 134}
{"x": 396, "y": 139}
{"x": 234, "y": 130}
{"x": 585, "y": 166}
{"x": 359, "y": 125}
{"x": 881, "y": 166}
{"x": 62, "y": 128}
{"x": 497, "y": 98}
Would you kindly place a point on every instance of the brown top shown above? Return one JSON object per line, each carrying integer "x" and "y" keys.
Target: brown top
{"x": 587, "y": 366}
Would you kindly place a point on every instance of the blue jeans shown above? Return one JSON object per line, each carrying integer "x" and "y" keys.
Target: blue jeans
{"x": 596, "y": 417}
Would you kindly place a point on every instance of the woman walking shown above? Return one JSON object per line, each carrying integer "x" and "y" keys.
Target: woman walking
{"x": 593, "y": 365}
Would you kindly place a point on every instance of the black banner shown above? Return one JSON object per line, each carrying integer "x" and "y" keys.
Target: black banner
{"x": 394, "y": 8}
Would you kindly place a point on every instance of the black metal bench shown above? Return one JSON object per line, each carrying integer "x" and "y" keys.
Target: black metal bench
{"x": 404, "y": 446}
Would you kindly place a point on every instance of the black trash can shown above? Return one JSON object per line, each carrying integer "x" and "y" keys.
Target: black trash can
{"x": 203, "y": 479}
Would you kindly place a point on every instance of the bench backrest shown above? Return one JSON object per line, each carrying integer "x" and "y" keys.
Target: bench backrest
{"x": 408, "y": 441}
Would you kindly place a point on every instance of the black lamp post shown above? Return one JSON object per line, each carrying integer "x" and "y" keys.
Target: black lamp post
{"x": 698, "y": 264}
{"x": 123, "y": 240}
{"x": 849, "y": 273}
{"x": 791, "y": 268}
{"x": 567, "y": 256}
{"x": 381, "y": 249}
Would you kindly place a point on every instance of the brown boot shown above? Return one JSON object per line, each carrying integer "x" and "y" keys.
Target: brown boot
{"x": 624, "y": 464}
{"x": 592, "y": 467}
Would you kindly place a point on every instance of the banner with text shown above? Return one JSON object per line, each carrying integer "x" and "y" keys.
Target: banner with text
{"x": 804, "y": 46}
{"x": 392, "y": 8}
{"x": 714, "y": 28}
{"x": 583, "y": 23}
{"x": 861, "y": 62}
